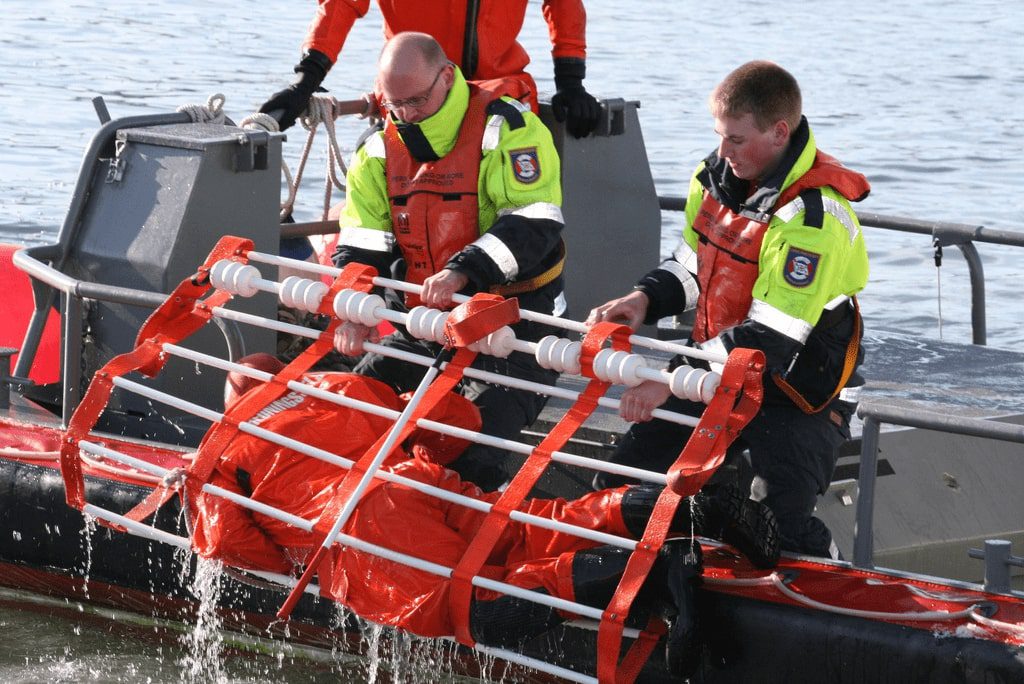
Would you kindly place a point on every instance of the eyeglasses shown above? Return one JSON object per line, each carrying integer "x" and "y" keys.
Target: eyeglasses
{"x": 414, "y": 102}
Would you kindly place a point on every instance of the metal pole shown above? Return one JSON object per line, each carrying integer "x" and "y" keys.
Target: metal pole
{"x": 977, "y": 274}
{"x": 997, "y": 564}
{"x": 5, "y": 376}
{"x": 863, "y": 533}
{"x": 71, "y": 360}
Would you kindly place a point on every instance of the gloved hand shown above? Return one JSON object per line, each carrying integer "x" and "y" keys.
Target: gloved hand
{"x": 294, "y": 99}
{"x": 571, "y": 102}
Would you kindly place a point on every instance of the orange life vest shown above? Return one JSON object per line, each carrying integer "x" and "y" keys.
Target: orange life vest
{"x": 729, "y": 247}
{"x": 434, "y": 207}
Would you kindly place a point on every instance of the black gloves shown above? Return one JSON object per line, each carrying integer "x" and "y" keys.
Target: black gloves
{"x": 571, "y": 103}
{"x": 294, "y": 99}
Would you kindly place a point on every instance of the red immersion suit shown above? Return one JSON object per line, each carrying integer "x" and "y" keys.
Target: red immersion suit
{"x": 388, "y": 514}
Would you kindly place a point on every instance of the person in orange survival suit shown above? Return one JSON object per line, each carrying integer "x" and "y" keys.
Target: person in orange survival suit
{"x": 479, "y": 37}
{"x": 389, "y": 593}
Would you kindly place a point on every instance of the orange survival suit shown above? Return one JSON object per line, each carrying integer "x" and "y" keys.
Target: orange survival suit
{"x": 388, "y": 514}
{"x": 484, "y": 46}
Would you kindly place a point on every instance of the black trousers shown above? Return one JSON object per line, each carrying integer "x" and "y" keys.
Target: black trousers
{"x": 792, "y": 455}
{"x": 503, "y": 410}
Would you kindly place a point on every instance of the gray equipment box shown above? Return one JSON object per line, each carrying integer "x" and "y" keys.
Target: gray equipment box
{"x": 610, "y": 205}
{"x": 167, "y": 196}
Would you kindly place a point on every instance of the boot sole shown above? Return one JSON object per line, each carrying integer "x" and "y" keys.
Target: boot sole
{"x": 750, "y": 527}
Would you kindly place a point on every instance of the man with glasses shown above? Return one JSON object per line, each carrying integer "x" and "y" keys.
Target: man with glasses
{"x": 466, "y": 188}
{"x": 480, "y": 37}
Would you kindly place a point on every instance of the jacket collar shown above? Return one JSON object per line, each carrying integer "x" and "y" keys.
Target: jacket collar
{"x": 435, "y": 136}
{"x": 719, "y": 180}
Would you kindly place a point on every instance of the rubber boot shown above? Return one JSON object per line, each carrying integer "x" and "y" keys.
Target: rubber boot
{"x": 679, "y": 567}
{"x": 717, "y": 511}
{"x": 638, "y": 502}
{"x": 736, "y": 519}
{"x": 510, "y": 622}
{"x": 668, "y": 591}
{"x": 596, "y": 573}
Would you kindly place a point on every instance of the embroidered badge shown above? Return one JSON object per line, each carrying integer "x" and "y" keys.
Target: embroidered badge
{"x": 525, "y": 165}
{"x": 801, "y": 267}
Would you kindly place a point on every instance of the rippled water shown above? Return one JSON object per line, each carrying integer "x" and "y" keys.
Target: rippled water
{"x": 924, "y": 97}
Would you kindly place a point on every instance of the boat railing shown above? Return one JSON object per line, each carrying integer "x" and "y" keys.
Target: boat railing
{"x": 944, "y": 234}
{"x": 997, "y": 556}
{"x": 74, "y": 293}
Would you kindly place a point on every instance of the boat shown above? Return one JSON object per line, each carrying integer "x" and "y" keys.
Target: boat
{"x": 153, "y": 198}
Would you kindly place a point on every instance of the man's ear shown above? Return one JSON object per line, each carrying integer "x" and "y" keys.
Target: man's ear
{"x": 780, "y": 133}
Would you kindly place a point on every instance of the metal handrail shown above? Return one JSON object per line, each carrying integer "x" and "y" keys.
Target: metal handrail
{"x": 874, "y": 414}
{"x": 944, "y": 234}
{"x": 73, "y": 291}
{"x": 100, "y": 148}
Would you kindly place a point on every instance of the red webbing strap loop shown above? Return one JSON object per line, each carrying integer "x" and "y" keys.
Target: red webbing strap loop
{"x": 494, "y": 523}
{"x": 735, "y": 403}
{"x": 479, "y": 317}
{"x": 609, "y": 633}
{"x": 176, "y": 318}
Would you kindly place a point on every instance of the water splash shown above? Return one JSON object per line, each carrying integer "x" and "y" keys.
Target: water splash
{"x": 396, "y": 656}
{"x": 372, "y": 636}
{"x": 183, "y": 557}
{"x": 203, "y": 644}
{"x": 87, "y": 532}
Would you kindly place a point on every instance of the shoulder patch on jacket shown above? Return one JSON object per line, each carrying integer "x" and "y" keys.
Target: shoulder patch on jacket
{"x": 525, "y": 164}
{"x": 800, "y": 267}
{"x": 509, "y": 111}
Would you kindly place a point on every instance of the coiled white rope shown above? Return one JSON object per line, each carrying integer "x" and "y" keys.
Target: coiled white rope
{"x": 322, "y": 109}
{"x": 211, "y": 112}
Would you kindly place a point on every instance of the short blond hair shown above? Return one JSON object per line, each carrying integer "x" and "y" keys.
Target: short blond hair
{"x": 761, "y": 88}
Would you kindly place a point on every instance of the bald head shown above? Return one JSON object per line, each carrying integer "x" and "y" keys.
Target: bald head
{"x": 410, "y": 53}
{"x": 413, "y": 76}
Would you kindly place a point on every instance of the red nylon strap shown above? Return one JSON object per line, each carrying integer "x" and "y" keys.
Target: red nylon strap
{"x": 180, "y": 315}
{"x": 479, "y": 317}
{"x": 609, "y": 633}
{"x": 173, "y": 320}
{"x": 494, "y": 523}
{"x": 735, "y": 403}
{"x": 470, "y": 321}
{"x": 88, "y": 412}
{"x": 641, "y": 650}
